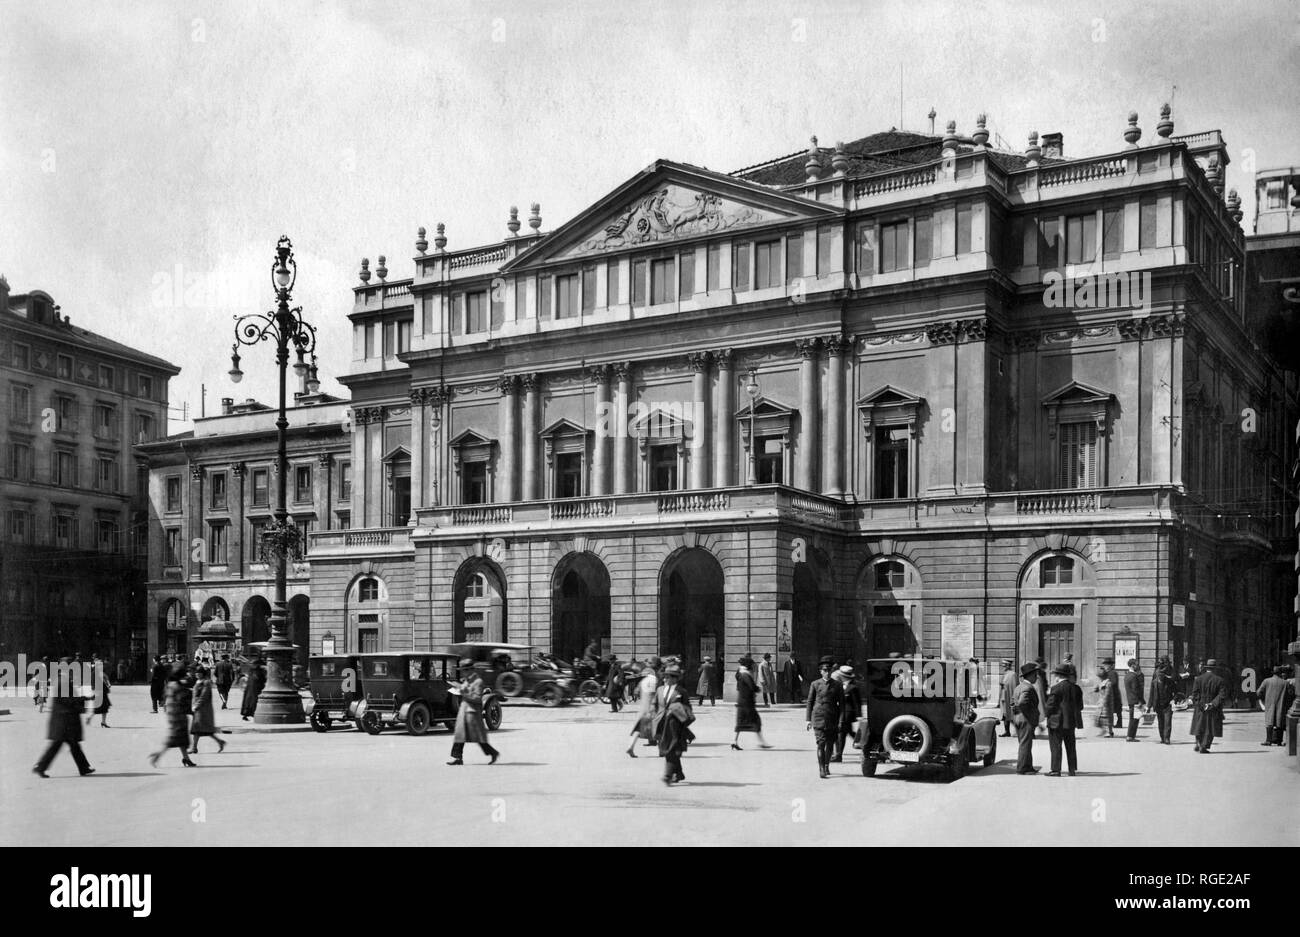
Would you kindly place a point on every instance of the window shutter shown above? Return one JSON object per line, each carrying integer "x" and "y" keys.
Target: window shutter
{"x": 458, "y": 314}
{"x": 498, "y": 305}
{"x": 1089, "y": 443}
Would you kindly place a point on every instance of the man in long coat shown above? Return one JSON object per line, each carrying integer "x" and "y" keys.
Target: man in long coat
{"x": 1275, "y": 696}
{"x": 822, "y": 712}
{"x": 67, "y": 701}
{"x": 1161, "y": 700}
{"x": 470, "y": 726}
{"x": 1209, "y": 693}
{"x": 1009, "y": 681}
{"x": 158, "y": 680}
{"x": 672, "y": 717}
{"x": 705, "y": 686}
{"x": 1064, "y": 715}
{"x": 1114, "y": 697}
{"x": 767, "y": 680}
{"x": 792, "y": 677}
{"x": 225, "y": 678}
{"x": 850, "y": 711}
{"x": 1134, "y": 696}
{"x": 253, "y": 687}
{"x": 1024, "y": 706}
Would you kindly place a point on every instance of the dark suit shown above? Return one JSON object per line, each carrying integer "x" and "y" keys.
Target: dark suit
{"x": 65, "y": 724}
{"x": 1064, "y": 715}
{"x": 1161, "y": 702}
{"x": 1024, "y": 706}
{"x": 825, "y": 703}
{"x": 1134, "y": 686}
{"x": 1208, "y": 695}
{"x": 1116, "y": 701}
{"x": 849, "y": 713}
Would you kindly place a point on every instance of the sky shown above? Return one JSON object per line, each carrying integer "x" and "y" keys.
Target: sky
{"x": 151, "y": 153}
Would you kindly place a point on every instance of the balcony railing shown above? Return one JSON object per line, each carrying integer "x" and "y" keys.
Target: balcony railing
{"x": 1084, "y": 502}
{"x": 368, "y": 540}
{"x": 1083, "y": 171}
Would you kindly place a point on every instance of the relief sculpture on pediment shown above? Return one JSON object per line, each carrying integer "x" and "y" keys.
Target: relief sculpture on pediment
{"x": 671, "y": 212}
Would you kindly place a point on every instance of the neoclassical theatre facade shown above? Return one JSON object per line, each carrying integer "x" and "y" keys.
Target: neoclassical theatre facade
{"x": 908, "y": 394}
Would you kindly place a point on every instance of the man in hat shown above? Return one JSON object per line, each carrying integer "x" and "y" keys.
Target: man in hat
{"x": 1009, "y": 681}
{"x": 615, "y": 680}
{"x": 1064, "y": 715}
{"x": 225, "y": 678}
{"x": 470, "y": 726}
{"x": 1135, "y": 695}
{"x": 1040, "y": 684}
{"x": 671, "y": 720}
{"x": 1026, "y": 714}
{"x": 792, "y": 676}
{"x": 1113, "y": 693}
{"x": 1208, "y": 695}
{"x": 850, "y": 710}
{"x": 767, "y": 680}
{"x": 1161, "y": 700}
{"x": 823, "y": 709}
{"x": 68, "y": 699}
{"x": 704, "y": 687}
{"x": 1275, "y": 695}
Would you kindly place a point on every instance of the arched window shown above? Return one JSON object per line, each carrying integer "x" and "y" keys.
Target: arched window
{"x": 477, "y": 587}
{"x": 368, "y": 590}
{"x": 1056, "y": 571}
{"x": 890, "y": 575}
{"x": 173, "y": 615}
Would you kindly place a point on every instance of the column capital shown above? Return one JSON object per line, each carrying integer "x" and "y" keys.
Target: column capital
{"x": 807, "y": 347}
{"x": 599, "y": 373}
{"x": 838, "y": 344}
{"x": 699, "y": 360}
{"x": 508, "y": 384}
{"x": 196, "y": 473}
{"x": 437, "y": 396}
{"x": 237, "y": 469}
{"x": 623, "y": 370}
{"x": 725, "y": 358}
{"x": 419, "y": 396}
{"x": 531, "y": 382}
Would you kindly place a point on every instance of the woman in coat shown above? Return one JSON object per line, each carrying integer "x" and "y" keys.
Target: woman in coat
{"x": 253, "y": 689}
{"x": 470, "y": 726}
{"x": 747, "y": 718}
{"x": 647, "y": 687}
{"x": 1103, "y": 688}
{"x": 177, "y": 704}
{"x": 614, "y": 682}
{"x": 101, "y": 672}
{"x": 205, "y": 720}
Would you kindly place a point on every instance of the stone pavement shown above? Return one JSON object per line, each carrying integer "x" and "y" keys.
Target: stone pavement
{"x": 564, "y": 778}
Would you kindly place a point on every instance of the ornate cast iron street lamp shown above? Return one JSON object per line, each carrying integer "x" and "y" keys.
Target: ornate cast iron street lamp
{"x": 279, "y": 702}
{"x": 751, "y": 388}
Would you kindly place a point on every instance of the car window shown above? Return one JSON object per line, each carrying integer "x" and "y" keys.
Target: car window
{"x": 327, "y": 668}
{"x": 414, "y": 667}
{"x": 379, "y": 668}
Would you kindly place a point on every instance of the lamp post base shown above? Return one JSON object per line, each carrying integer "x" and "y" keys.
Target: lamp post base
{"x": 279, "y": 703}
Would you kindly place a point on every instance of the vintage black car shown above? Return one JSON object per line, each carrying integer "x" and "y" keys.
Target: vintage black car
{"x": 516, "y": 671}
{"x": 412, "y": 690}
{"x": 922, "y": 711}
{"x": 335, "y": 685}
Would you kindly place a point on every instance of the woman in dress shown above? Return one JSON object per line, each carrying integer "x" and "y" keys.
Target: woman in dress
{"x": 646, "y": 687}
{"x": 747, "y": 718}
{"x": 177, "y": 705}
{"x": 205, "y": 720}
{"x": 101, "y": 672}
{"x": 1104, "y": 713}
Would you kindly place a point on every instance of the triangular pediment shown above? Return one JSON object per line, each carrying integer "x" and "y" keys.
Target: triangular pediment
{"x": 890, "y": 396}
{"x": 468, "y": 438}
{"x": 659, "y": 422}
{"x": 564, "y": 428}
{"x": 669, "y": 202}
{"x": 764, "y": 406}
{"x": 396, "y": 454}
{"x": 1077, "y": 392}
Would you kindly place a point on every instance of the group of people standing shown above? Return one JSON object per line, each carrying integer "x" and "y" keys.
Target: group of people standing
{"x": 187, "y": 696}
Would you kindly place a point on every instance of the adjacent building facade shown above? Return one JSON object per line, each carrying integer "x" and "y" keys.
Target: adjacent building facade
{"x": 74, "y": 495}
{"x": 907, "y": 394}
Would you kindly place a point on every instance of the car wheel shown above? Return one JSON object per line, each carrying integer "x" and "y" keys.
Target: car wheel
{"x": 991, "y": 756}
{"x": 491, "y": 716}
{"x": 510, "y": 684}
{"x": 550, "y": 696}
{"x": 908, "y": 734}
{"x": 868, "y": 766}
{"x": 359, "y": 726}
{"x": 320, "y": 720}
{"x": 417, "y": 719}
{"x": 371, "y": 723}
{"x": 590, "y": 691}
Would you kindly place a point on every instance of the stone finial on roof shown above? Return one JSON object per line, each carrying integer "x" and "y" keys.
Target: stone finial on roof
{"x": 381, "y": 271}
{"x": 840, "y": 161}
{"x": 1166, "y": 125}
{"x": 1214, "y": 173}
{"x": 1033, "y": 151}
{"x": 513, "y": 223}
{"x": 365, "y": 270}
{"x": 440, "y": 237}
{"x": 535, "y": 217}
{"x": 421, "y": 242}
{"x": 1234, "y": 206}
{"x": 1132, "y": 133}
{"x": 950, "y": 140}
{"x": 813, "y": 165}
{"x": 981, "y": 134}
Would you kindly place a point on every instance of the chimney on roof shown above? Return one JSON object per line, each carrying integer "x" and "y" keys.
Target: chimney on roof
{"x": 1054, "y": 145}
{"x": 227, "y": 405}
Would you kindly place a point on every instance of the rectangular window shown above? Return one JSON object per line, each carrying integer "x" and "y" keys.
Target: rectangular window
{"x": 686, "y": 275}
{"x": 568, "y": 475}
{"x": 143, "y": 427}
{"x": 611, "y": 283}
{"x": 21, "y": 356}
{"x": 66, "y": 408}
{"x": 403, "y": 337}
{"x": 767, "y": 265}
{"x": 1275, "y": 194}
{"x": 302, "y": 483}
{"x": 663, "y": 468}
{"x": 66, "y": 530}
{"x": 105, "y": 421}
{"x": 769, "y": 461}
{"x": 217, "y": 544}
{"x": 145, "y": 386}
{"x": 662, "y": 281}
{"x": 1112, "y": 232}
{"x": 105, "y": 474}
{"x": 217, "y": 485}
{"x": 891, "y": 462}
{"x": 521, "y": 299}
{"x": 1049, "y": 242}
{"x": 173, "y": 493}
{"x": 639, "y": 272}
{"x": 793, "y": 257}
{"x": 105, "y": 376}
{"x": 473, "y": 483}
{"x": 368, "y": 639}
{"x": 566, "y": 296}
{"x": 106, "y": 536}
{"x": 924, "y": 236}
{"x": 20, "y": 461}
{"x": 345, "y": 481}
{"x": 544, "y": 297}
{"x": 893, "y": 246}
{"x": 172, "y": 547}
{"x": 588, "y": 289}
{"x": 825, "y": 246}
{"x": 866, "y": 241}
{"x": 713, "y": 271}
{"x": 20, "y": 404}
{"x": 261, "y": 488}
{"x": 1081, "y": 238}
{"x": 1147, "y": 222}
{"x": 475, "y": 312}
{"x": 370, "y": 340}
{"x": 1077, "y": 454}
{"x": 965, "y": 227}
{"x": 19, "y": 522}
{"x": 256, "y": 529}
{"x": 65, "y": 366}
{"x": 740, "y": 267}
{"x": 65, "y": 470}
{"x": 390, "y": 339}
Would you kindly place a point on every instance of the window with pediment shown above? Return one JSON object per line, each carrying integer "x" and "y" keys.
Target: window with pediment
{"x": 890, "y": 421}
{"x": 472, "y": 462}
{"x": 765, "y": 434}
{"x": 661, "y": 437}
{"x": 565, "y": 446}
{"x": 1078, "y": 419}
